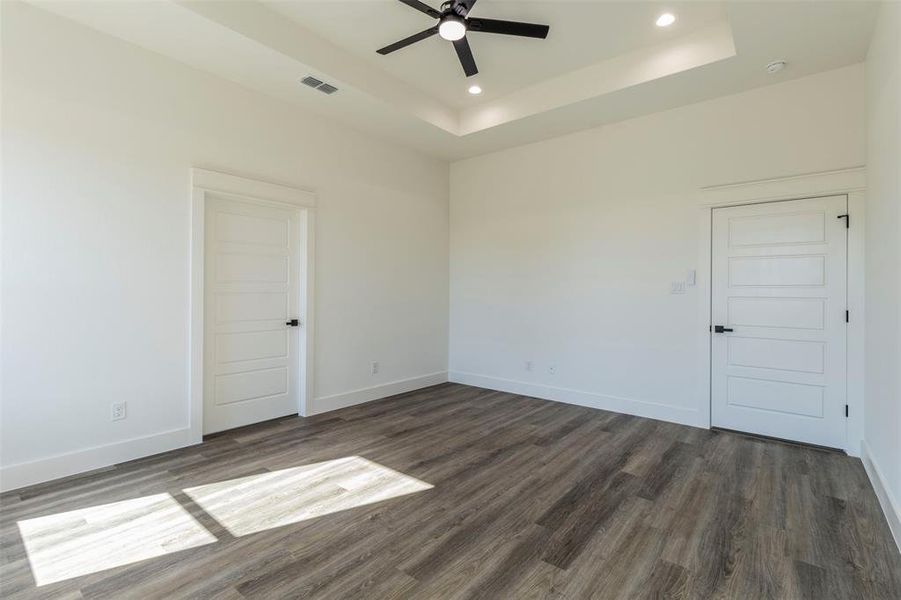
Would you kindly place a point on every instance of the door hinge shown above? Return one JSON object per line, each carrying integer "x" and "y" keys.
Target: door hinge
{"x": 846, "y": 410}
{"x": 847, "y": 316}
{"x": 847, "y": 219}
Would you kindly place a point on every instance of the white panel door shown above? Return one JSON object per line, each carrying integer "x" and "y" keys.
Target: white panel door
{"x": 251, "y": 295}
{"x": 779, "y": 294}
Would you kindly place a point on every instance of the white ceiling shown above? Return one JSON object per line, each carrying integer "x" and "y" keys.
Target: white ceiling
{"x": 582, "y": 33}
{"x": 602, "y": 62}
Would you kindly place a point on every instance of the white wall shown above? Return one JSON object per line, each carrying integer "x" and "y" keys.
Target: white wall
{"x": 883, "y": 371}
{"x": 562, "y": 252}
{"x": 98, "y": 139}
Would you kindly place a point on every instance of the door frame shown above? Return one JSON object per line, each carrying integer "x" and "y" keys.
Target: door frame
{"x": 849, "y": 182}
{"x": 205, "y": 183}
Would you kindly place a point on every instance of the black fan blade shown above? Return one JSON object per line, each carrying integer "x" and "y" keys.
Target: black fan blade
{"x": 410, "y": 40}
{"x": 508, "y": 28}
{"x": 464, "y": 52}
{"x": 421, "y": 7}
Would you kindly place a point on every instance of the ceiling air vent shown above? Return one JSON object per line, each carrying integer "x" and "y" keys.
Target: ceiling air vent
{"x": 311, "y": 81}
{"x": 317, "y": 84}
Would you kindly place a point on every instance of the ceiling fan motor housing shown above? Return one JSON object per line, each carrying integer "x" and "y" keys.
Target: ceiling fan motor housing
{"x": 452, "y": 7}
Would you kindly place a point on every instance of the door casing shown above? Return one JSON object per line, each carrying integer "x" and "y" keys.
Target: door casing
{"x": 205, "y": 182}
{"x": 850, "y": 182}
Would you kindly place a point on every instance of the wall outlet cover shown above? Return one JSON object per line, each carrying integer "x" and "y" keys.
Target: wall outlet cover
{"x": 118, "y": 411}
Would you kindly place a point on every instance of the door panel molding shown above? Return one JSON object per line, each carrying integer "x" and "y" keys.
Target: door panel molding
{"x": 850, "y": 182}
{"x": 782, "y": 382}
{"x": 206, "y": 183}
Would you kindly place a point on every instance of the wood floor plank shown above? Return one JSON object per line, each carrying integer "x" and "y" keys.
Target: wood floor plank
{"x": 516, "y": 498}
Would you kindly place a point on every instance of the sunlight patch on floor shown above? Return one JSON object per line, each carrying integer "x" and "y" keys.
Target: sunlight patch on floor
{"x": 97, "y": 538}
{"x": 259, "y": 502}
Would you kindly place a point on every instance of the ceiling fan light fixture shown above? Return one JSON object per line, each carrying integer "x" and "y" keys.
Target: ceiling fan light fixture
{"x": 452, "y": 28}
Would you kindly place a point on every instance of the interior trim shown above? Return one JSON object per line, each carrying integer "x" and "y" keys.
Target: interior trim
{"x": 376, "y": 392}
{"x": 204, "y": 182}
{"x": 629, "y": 406}
{"x": 849, "y": 181}
{"x": 796, "y": 187}
{"x": 235, "y": 185}
{"x": 890, "y": 506}
{"x": 74, "y": 463}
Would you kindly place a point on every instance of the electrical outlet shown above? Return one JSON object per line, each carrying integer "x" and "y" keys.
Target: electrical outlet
{"x": 374, "y": 368}
{"x": 552, "y": 370}
{"x": 528, "y": 365}
{"x": 117, "y": 412}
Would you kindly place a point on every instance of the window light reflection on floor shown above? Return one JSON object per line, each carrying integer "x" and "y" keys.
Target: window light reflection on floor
{"x": 259, "y": 502}
{"x": 88, "y": 540}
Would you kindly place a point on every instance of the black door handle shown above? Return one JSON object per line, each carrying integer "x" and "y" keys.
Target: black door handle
{"x": 293, "y": 323}
{"x": 721, "y": 329}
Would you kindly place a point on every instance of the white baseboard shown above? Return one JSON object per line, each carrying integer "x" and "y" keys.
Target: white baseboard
{"x": 376, "y": 392}
{"x": 62, "y": 465}
{"x": 17, "y": 476}
{"x": 887, "y": 500}
{"x": 641, "y": 408}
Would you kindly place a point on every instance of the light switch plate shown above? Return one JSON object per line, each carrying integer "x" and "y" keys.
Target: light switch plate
{"x": 678, "y": 287}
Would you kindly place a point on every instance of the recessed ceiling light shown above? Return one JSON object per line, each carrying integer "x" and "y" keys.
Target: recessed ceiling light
{"x": 666, "y": 19}
{"x": 776, "y": 66}
{"x": 475, "y": 90}
{"x": 451, "y": 28}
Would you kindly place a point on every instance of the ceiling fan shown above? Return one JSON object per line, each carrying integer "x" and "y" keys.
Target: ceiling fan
{"x": 454, "y": 22}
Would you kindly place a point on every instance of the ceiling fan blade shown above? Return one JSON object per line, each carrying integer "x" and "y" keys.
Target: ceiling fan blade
{"x": 508, "y": 28}
{"x": 418, "y": 37}
{"x": 421, "y": 7}
{"x": 464, "y": 53}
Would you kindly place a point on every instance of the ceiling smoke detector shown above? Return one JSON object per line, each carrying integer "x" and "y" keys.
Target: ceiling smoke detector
{"x": 776, "y": 66}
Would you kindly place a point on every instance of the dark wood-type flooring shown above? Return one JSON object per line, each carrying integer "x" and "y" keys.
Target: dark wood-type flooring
{"x": 531, "y": 499}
